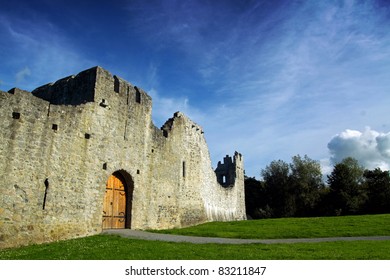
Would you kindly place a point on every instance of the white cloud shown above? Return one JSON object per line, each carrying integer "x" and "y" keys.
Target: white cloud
{"x": 371, "y": 148}
{"x": 326, "y": 167}
{"x": 383, "y": 141}
{"x": 22, "y": 75}
{"x": 165, "y": 105}
{"x": 164, "y": 108}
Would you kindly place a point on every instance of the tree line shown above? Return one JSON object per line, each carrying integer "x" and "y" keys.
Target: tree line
{"x": 298, "y": 190}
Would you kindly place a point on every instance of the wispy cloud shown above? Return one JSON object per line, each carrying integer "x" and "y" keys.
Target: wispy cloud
{"x": 281, "y": 78}
{"x": 22, "y": 75}
{"x": 165, "y": 105}
{"x": 40, "y": 53}
{"x": 270, "y": 79}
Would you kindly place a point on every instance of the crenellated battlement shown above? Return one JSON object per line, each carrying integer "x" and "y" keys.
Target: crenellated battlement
{"x": 227, "y": 171}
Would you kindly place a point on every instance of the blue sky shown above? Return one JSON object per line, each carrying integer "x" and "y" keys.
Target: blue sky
{"x": 270, "y": 79}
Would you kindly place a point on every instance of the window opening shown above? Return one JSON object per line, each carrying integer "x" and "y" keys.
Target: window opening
{"x": 116, "y": 84}
{"x": 15, "y": 115}
{"x": 45, "y": 195}
{"x": 137, "y": 95}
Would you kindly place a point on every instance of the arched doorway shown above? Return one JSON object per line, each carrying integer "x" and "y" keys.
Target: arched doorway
{"x": 117, "y": 201}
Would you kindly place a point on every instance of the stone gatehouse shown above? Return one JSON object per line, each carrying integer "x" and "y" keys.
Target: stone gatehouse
{"x": 82, "y": 154}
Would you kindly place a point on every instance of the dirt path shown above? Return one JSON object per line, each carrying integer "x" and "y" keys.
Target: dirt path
{"x": 128, "y": 233}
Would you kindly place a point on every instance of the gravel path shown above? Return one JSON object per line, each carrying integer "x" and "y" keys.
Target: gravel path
{"x": 136, "y": 234}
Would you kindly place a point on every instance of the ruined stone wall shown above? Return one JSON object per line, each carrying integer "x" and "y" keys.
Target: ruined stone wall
{"x": 227, "y": 203}
{"x": 60, "y": 143}
{"x": 45, "y": 162}
{"x": 201, "y": 197}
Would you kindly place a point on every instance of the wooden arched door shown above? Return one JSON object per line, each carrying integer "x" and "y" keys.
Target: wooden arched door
{"x": 114, "y": 205}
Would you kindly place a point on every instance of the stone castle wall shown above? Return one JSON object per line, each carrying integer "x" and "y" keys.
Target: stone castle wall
{"x": 60, "y": 143}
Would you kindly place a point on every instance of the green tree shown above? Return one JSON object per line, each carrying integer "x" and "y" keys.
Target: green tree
{"x": 278, "y": 188}
{"x": 325, "y": 204}
{"x": 378, "y": 188}
{"x": 306, "y": 180}
{"x": 347, "y": 189}
{"x": 255, "y": 199}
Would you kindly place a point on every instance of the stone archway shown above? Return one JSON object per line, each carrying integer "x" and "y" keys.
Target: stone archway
{"x": 117, "y": 203}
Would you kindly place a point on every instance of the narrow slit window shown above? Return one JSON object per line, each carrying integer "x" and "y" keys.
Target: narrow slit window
{"x": 116, "y": 84}
{"x": 137, "y": 95}
{"x": 45, "y": 195}
{"x": 184, "y": 168}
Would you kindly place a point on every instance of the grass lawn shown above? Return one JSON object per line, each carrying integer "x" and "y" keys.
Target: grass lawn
{"x": 366, "y": 225}
{"x": 108, "y": 247}
{"x": 105, "y": 247}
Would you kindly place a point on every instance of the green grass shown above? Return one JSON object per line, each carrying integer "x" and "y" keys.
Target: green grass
{"x": 108, "y": 247}
{"x": 366, "y": 225}
{"x": 105, "y": 247}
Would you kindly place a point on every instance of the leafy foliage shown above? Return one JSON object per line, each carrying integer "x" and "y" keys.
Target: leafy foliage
{"x": 378, "y": 191}
{"x": 306, "y": 179}
{"x": 297, "y": 190}
{"x": 291, "y": 189}
{"x": 347, "y": 188}
{"x": 278, "y": 188}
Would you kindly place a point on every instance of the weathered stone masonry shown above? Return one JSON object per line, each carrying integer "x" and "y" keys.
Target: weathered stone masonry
{"x": 61, "y": 143}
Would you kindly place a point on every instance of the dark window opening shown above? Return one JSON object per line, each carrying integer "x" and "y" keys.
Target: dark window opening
{"x": 165, "y": 133}
{"x": 87, "y": 136}
{"x": 137, "y": 95}
{"x": 105, "y": 166}
{"x": 116, "y": 84}
{"x": 54, "y": 127}
{"x": 15, "y": 115}
{"x": 45, "y": 195}
{"x": 138, "y": 172}
{"x": 184, "y": 168}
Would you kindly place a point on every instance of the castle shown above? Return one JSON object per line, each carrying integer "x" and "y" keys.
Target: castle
{"x": 82, "y": 154}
